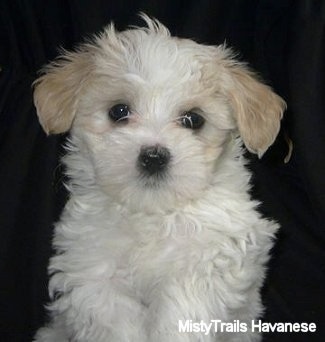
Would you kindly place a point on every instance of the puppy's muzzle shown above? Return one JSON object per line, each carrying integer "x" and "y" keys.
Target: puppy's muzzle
{"x": 153, "y": 159}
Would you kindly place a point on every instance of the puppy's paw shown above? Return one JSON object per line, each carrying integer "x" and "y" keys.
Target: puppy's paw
{"x": 50, "y": 334}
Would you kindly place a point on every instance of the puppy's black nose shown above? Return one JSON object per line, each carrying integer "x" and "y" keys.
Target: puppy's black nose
{"x": 153, "y": 159}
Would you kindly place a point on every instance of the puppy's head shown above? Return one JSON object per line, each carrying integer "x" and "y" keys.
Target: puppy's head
{"x": 151, "y": 113}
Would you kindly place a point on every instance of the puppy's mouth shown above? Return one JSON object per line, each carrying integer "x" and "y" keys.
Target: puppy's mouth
{"x": 153, "y": 181}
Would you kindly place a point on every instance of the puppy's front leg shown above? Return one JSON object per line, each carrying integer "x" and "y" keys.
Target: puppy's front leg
{"x": 173, "y": 305}
{"x": 94, "y": 313}
{"x": 186, "y": 311}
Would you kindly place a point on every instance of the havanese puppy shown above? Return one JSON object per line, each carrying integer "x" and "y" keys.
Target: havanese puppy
{"x": 160, "y": 231}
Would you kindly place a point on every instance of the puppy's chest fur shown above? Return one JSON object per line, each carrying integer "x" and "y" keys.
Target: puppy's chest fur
{"x": 140, "y": 255}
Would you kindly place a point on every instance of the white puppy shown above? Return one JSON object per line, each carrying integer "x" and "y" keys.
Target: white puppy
{"x": 160, "y": 227}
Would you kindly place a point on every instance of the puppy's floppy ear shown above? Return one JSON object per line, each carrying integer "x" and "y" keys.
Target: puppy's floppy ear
{"x": 57, "y": 91}
{"x": 257, "y": 109}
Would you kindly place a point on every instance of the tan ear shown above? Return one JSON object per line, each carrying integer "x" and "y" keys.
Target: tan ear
{"x": 57, "y": 91}
{"x": 258, "y": 110}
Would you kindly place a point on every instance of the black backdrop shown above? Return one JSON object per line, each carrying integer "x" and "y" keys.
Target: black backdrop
{"x": 283, "y": 40}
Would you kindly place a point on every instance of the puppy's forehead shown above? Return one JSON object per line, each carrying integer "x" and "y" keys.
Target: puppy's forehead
{"x": 157, "y": 60}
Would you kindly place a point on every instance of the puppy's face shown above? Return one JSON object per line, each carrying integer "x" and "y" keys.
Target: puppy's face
{"x": 152, "y": 114}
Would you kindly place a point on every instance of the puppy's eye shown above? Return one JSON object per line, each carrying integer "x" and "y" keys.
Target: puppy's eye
{"x": 192, "y": 120}
{"x": 119, "y": 112}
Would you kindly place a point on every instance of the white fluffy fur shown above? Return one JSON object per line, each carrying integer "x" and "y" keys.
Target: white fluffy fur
{"x": 134, "y": 255}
